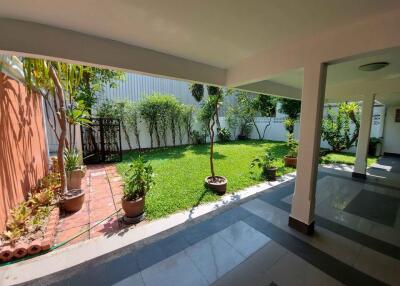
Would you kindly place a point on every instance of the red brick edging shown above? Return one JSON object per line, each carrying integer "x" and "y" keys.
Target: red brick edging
{"x": 20, "y": 250}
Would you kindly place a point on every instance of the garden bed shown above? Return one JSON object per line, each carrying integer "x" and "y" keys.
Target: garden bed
{"x": 34, "y": 243}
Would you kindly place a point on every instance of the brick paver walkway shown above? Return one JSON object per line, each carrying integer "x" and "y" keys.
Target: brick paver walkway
{"x": 103, "y": 191}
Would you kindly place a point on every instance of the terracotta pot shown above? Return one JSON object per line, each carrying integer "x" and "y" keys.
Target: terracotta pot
{"x": 290, "y": 161}
{"x": 73, "y": 200}
{"x": 74, "y": 178}
{"x": 133, "y": 208}
{"x": 218, "y": 187}
{"x": 270, "y": 173}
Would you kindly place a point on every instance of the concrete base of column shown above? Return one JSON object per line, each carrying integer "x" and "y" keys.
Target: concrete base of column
{"x": 358, "y": 175}
{"x": 301, "y": 226}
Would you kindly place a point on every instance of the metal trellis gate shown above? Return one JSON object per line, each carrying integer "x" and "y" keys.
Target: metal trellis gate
{"x": 101, "y": 141}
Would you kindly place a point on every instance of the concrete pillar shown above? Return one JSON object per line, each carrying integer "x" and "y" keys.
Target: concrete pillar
{"x": 312, "y": 106}
{"x": 360, "y": 166}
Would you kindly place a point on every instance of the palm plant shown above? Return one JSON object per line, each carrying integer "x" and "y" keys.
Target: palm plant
{"x": 56, "y": 78}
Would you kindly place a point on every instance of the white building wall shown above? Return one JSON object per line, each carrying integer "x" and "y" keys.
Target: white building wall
{"x": 391, "y": 132}
{"x": 135, "y": 87}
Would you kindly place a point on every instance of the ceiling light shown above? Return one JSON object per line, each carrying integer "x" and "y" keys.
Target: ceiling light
{"x": 373, "y": 66}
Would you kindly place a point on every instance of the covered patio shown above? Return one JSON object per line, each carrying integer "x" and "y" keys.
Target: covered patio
{"x": 356, "y": 242}
{"x": 329, "y": 226}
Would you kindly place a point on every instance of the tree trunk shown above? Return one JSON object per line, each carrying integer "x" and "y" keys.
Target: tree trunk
{"x": 127, "y": 139}
{"x": 62, "y": 121}
{"x": 258, "y": 131}
{"x": 212, "y": 138}
{"x": 266, "y": 126}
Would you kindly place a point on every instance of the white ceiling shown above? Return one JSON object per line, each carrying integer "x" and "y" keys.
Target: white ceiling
{"x": 213, "y": 32}
{"x": 345, "y": 81}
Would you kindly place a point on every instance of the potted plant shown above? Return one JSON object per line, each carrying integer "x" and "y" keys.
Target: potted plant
{"x": 266, "y": 163}
{"x": 215, "y": 183}
{"x": 138, "y": 180}
{"x": 73, "y": 199}
{"x": 290, "y": 158}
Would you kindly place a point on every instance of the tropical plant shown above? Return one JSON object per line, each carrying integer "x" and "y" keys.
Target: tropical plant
{"x": 94, "y": 81}
{"x": 76, "y": 113}
{"x": 292, "y": 146}
{"x": 57, "y": 79}
{"x": 197, "y": 91}
{"x": 336, "y": 129}
{"x": 289, "y": 124}
{"x": 247, "y": 112}
{"x": 72, "y": 160}
{"x": 265, "y": 162}
{"x": 133, "y": 119}
{"x": 232, "y": 118}
{"x": 115, "y": 110}
{"x": 266, "y": 106}
{"x": 290, "y": 107}
{"x": 197, "y": 137}
{"x": 224, "y": 135}
{"x": 187, "y": 118}
{"x": 150, "y": 115}
{"x": 138, "y": 179}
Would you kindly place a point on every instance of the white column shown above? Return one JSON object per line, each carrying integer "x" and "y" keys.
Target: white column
{"x": 312, "y": 106}
{"x": 360, "y": 166}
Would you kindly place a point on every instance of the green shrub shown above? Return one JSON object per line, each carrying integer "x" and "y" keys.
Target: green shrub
{"x": 138, "y": 180}
{"x": 72, "y": 160}
{"x": 264, "y": 162}
{"x": 224, "y": 135}
{"x": 336, "y": 126}
{"x": 197, "y": 137}
{"x": 292, "y": 146}
{"x": 197, "y": 91}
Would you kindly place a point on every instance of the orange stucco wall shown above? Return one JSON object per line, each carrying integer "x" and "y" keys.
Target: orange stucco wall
{"x": 23, "y": 154}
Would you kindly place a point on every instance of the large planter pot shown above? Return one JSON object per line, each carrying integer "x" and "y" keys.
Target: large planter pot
{"x": 290, "y": 161}
{"x": 74, "y": 178}
{"x": 73, "y": 200}
{"x": 270, "y": 173}
{"x": 134, "y": 208}
{"x": 217, "y": 184}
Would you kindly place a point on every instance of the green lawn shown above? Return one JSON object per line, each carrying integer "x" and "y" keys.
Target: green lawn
{"x": 180, "y": 172}
{"x": 344, "y": 158}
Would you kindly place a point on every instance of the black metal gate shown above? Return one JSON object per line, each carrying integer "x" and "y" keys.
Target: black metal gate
{"x": 101, "y": 141}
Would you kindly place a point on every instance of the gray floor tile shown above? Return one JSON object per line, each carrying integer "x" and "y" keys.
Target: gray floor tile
{"x": 245, "y": 239}
{"x": 267, "y": 256}
{"x": 379, "y": 266}
{"x": 174, "y": 271}
{"x": 214, "y": 257}
{"x": 292, "y": 270}
{"x": 376, "y": 207}
{"x": 134, "y": 280}
{"x": 245, "y": 273}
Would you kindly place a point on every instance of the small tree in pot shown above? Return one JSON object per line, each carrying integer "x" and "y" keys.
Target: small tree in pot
{"x": 290, "y": 158}
{"x": 137, "y": 182}
{"x": 216, "y": 183}
{"x": 266, "y": 163}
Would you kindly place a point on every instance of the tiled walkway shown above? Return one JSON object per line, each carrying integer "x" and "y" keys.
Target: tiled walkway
{"x": 249, "y": 243}
{"x": 103, "y": 191}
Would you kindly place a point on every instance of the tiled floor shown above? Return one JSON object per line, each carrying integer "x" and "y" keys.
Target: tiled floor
{"x": 103, "y": 191}
{"x": 249, "y": 243}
